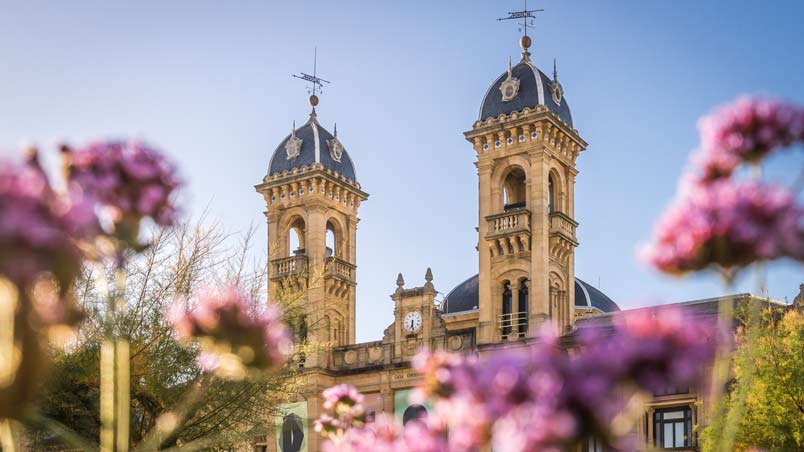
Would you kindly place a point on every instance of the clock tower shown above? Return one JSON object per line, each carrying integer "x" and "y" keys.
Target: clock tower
{"x": 415, "y": 316}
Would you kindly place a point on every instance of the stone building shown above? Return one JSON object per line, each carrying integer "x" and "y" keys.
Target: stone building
{"x": 526, "y": 148}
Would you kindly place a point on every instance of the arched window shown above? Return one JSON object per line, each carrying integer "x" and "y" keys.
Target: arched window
{"x": 522, "y": 318}
{"x": 514, "y": 190}
{"x": 296, "y": 236}
{"x": 331, "y": 241}
{"x": 507, "y": 306}
{"x": 551, "y": 194}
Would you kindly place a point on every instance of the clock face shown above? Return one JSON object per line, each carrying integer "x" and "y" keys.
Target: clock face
{"x": 413, "y": 321}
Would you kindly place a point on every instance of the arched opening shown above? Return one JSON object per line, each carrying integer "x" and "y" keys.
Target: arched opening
{"x": 522, "y": 317}
{"x": 507, "y": 305}
{"x": 514, "y": 190}
{"x": 296, "y": 236}
{"x": 331, "y": 241}
{"x": 551, "y": 194}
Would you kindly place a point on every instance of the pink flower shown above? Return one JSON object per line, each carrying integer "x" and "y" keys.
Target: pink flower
{"x": 129, "y": 179}
{"x": 729, "y": 225}
{"x": 746, "y": 131}
{"x": 232, "y": 333}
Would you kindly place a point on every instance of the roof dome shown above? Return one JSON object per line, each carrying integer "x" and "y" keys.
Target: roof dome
{"x": 525, "y": 86}
{"x": 464, "y": 297}
{"x": 310, "y": 144}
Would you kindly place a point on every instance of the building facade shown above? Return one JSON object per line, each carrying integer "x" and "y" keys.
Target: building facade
{"x": 526, "y": 149}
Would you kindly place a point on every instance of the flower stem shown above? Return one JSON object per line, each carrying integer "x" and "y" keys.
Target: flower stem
{"x": 7, "y": 439}
{"x": 115, "y": 390}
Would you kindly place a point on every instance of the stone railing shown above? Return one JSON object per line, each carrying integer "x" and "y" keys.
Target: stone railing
{"x": 508, "y": 222}
{"x": 561, "y": 224}
{"x": 339, "y": 268}
{"x": 288, "y": 266}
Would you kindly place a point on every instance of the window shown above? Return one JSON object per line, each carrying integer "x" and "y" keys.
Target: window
{"x": 550, "y": 195}
{"x": 331, "y": 241}
{"x": 593, "y": 445}
{"x": 506, "y": 309}
{"x": 522, "y": 317}
{"x": 672, "y": 427}
{"x": 514, "y": 189}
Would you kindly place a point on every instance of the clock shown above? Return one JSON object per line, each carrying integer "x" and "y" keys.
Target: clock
{"x": 413, "y": 321}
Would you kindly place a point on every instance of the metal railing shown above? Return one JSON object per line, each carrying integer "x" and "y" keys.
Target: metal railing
{"x": 513, "y": 325}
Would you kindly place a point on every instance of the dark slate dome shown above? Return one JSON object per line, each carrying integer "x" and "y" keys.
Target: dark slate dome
{"x": 464, "y": 297}
{"x": 317, "y": 146}
{"x": 588, "y": 297}
{"x": 535, "y": 88}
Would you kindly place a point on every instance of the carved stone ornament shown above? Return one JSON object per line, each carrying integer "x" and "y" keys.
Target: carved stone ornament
{"x": 335, "y": 149}
{"x": 509, "y": 87}
{"x": 557, "y": 91}
{"x": 293, "y": 146}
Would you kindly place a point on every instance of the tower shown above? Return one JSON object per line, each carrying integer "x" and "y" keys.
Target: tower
{"x": 312, "y": 199}
{"x": 526, "y": 150}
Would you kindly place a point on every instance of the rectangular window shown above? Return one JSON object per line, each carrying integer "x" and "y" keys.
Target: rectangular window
{"x": 672, "y": 427}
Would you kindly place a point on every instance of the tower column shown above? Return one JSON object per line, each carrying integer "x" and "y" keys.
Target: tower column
{"x": 485, "y": 303}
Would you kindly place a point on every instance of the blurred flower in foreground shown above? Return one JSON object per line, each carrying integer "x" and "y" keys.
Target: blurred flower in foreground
{"x": 745, "y": 131}
{"x": 728, "y": 224}
{"x": 38, "y": 263}
{"x": 542, "y": 398}
{"x": 128, "y": 179}
{"x": 232, "y": 334}
{"x": 343, "y": 423}
{"x": 346, "y": 405}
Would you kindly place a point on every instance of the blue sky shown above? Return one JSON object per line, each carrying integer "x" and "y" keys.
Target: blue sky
{"x": 209, "y": 82}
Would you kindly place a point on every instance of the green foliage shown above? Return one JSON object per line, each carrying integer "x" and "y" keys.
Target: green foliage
{"x": 163, "y": 371}
{"x": 768, "y": 370}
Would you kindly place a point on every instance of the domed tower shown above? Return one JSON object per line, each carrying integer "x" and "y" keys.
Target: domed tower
{"x": 526, "y": 150}
{"x": 312, "y": 199}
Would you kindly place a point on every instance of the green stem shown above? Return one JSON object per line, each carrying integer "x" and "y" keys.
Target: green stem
{"x": 115, "y": 381}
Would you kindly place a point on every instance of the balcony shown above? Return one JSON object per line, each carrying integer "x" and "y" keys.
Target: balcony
{"x": 513, "y": 326}
{"x": 562, "y": 225}
{"x": 508, "y": 223}
{"x": 339, "y": 268}
{"x": 508, "y": 233}
{"x": 287, "y": 267}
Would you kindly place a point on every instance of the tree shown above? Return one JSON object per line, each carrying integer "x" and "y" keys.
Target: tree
{"x": 178, "y": 262}
{"x": 768, "y": 371}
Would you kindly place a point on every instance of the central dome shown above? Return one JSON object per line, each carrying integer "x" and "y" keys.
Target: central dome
{"x": 524, "y": 86}
{"x": 311, "y": 144}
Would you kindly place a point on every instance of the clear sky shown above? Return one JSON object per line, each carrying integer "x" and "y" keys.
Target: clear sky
{"x": 209, "y": 82}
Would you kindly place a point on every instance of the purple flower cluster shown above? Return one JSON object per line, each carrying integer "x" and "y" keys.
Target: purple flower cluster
{"x": 233, "y": 335}
{"x": 719, "y": 221}
{"x": 38, "y": 228}
{"x": 542, "y": 398}
{"x": 129, "y": 179}
{"x": 727, "y": 224}
{"x": 746, "y": 131}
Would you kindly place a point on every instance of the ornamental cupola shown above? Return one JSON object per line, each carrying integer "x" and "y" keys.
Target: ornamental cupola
{"x": 526, "y": 147}
{"x": 312, "y": 199}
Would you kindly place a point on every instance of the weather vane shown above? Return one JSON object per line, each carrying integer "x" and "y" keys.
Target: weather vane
{"x": 316, "y": 83}
{"x": 526, "y": 15}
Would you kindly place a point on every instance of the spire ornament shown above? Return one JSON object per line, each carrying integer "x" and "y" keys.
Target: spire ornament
{"x": 556, "y": 90}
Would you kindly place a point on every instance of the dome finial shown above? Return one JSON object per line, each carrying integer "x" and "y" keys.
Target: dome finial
{"x": 316, "y": 83}
{"x": 335, "y": 131}
{"x": 527, "y": 17}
